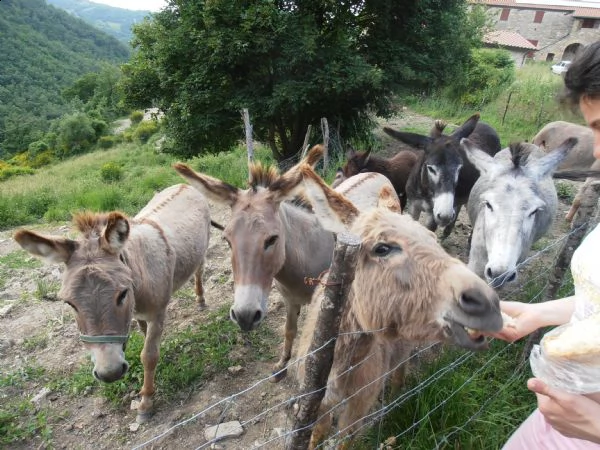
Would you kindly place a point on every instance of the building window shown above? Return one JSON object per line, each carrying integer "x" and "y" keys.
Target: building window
{"x": 539, "y": 15}
{"x": 550, "y": 57}
{"x": 588, "y": 23}
{"x": 504, "y": 14}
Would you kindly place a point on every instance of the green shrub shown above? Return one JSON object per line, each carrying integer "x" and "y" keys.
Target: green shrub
{"x": 144, "y": 130}
{"x": 42, "y": 159}
{"x": 110, "y": 172}
{"x": 76, "y": 134}
{"x": 136, "y": 116}
{"x": 11, "y": 171}
{"x": 99, "y": 126}
{"x": 106, "y": 141}
{"x": 37, "y": 147}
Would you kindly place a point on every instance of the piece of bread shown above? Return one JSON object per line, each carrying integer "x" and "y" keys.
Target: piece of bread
{"x": 577, "y": 341}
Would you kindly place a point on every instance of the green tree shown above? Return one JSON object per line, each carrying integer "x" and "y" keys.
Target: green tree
{"x": 290, "y": 63}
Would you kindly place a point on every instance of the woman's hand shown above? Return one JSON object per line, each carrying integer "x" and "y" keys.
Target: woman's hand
{"x": 525, "y": 319}
{"x": 572, "y": 415}
{"x": 528, "y": 317}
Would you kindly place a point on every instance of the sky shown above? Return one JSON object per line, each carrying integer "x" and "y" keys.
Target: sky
{"x": 146, "y": 5}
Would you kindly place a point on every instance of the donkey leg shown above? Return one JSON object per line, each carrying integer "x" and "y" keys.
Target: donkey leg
{"x": 291, "y": 328}
{"x": 322, "y": 427}
{"x": 149, "y": 356}
{"x": 199, "y": 288}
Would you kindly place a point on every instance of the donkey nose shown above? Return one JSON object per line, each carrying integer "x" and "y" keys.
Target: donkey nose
{"x": 112, "y": 374}
{"x": 499, "y": 277}
{"x": 444, "y": 219}
{"x": 246, "y": 319}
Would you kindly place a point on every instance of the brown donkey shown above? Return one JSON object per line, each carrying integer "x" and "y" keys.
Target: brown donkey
{"x": 406, "y": 289}
{"x": 123, "y": 267}
{"x": 272, "y": 239}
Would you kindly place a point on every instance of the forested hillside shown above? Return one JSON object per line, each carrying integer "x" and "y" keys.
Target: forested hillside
{"x": 44, "y": 50}
{"x": 114, "y": 21}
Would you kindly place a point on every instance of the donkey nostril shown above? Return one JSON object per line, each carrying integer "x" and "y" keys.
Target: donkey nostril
{"x": 471, "y": 304}
{"x": 488, "y": 273}
{"x": 95, "y": 374}
{"x": 232, "y": 315}
{"x": 125, "y": 368}
{"x": 257, "y": 317}
{"x": 511, "y": 277}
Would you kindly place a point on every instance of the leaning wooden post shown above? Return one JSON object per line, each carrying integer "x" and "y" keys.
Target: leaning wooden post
{"x": 248, "y": 131}
{"x": 318, "y": 364}
{"x": 584, "y": 220}
{"x": 325, "y": 131}
{"x": 305, "y": 143}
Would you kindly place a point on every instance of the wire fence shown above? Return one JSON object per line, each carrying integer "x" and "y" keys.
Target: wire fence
{"x": 280, "y": 439}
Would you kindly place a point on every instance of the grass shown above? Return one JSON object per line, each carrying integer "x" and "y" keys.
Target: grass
{"x": 20, "y": 419}
{"x": 55, "y": 192}
{"x": 518, "y": 114}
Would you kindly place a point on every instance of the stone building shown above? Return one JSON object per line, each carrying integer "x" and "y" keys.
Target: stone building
{"x": 556, "y": 29}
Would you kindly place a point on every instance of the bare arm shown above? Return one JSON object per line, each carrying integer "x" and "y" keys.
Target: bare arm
{"x": 528, "y": 317}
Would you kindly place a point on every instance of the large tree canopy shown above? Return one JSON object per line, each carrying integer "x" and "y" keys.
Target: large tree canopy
{"x": 290, "y": 63}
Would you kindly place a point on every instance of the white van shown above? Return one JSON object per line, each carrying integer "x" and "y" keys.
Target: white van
{"x": 561, "y": 67}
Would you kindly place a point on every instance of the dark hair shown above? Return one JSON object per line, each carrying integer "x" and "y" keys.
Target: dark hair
{"x": 583, "y": 76}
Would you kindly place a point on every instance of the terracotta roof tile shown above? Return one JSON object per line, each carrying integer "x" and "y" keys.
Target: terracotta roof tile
{"x": 508, "y": 39}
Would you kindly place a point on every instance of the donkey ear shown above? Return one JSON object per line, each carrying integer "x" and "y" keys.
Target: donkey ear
{"x": 438, "y": 127}
{"x": 214, "y": 189}
{"x": 547, "y": 164}
{"x": 389, "y": 199}
{"x": 480, "y": 159}
{"x": 335, "y": 212}
{"x": 350, "y": 152}
{"x": 50, "y": 249}
{"x": 466, "y": 128}
{"x": 412, "y": 139}
{"x": 367, "y": 156}
{"x": 115, "y": 233}
{"x": 314, "y": 155}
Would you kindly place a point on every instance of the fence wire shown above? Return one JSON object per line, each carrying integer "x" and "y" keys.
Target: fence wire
{"x": 378, "y": 414}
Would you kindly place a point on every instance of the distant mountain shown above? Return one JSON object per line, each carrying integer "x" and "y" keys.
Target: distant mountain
{"x": 44, "y": 50}
{"x": 114, "y": 21}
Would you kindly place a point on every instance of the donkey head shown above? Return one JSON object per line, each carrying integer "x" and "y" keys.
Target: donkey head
{"x": 404, "y": 279}
{"x": 255, "y": 233}
{"x": 442, "y": 164}
{"x": 97, "y": 284}
{"x": 514, "y": 202}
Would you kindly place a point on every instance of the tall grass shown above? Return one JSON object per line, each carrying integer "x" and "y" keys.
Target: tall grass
{"x": 518, "y": 113}
{"x": 54, "y": 193}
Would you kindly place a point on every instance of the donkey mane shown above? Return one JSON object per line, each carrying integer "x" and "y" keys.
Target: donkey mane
{"x": 87, "y": 222}
{"x": 519, "y": 154}
{"x": 262, "y": 175}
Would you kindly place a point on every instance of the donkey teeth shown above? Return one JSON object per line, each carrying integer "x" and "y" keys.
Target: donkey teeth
{"x": 472, "y": 332}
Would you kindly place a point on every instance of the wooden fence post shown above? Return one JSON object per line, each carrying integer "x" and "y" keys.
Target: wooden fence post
{"x": 582, "y": 223}
{"x": 318, "y": 365}
{"x": 248, "y": 132}
{"x": 325, "y": 132}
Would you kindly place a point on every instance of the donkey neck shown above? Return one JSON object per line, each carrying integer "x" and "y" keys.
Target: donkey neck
{"x": 308, "y": 248}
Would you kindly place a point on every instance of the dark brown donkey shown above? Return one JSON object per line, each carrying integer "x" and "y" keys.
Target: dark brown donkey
{"x": 123, "y": 267}
{"x": 441, "y": 180}
{"x": 396, "y": 169}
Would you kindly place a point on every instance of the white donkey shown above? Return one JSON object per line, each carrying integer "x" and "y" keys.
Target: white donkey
{"x": 512, "y": 205}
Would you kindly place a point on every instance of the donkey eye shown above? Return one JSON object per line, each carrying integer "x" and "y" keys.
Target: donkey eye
{"x": 121, "y": 297}
{"x": 488, "y": 205}
{"x": 270, "y": 241}
{"x": 534, "y": 212}
{"x": 432, "y": 170}
{"x": 382, "y": 249}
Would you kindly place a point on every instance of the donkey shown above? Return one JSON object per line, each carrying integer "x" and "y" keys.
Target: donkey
{"x": 406, "y": 289}
{"x": 273, "y": 240}
{"x": 512, "y": 205}
{"x": 577, "y": 200}
{"x": 555, "y": 133}
{"x": 122, "y": 268}
{"x": 442, "y": 178}
{"x": 396, "y": 169}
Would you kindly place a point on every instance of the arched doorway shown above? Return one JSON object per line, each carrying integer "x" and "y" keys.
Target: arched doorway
{"x": 571, "y": 51}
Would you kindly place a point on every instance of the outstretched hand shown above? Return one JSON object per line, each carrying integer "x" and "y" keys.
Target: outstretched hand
{"x": 525, "y": 320}
{"x": 572, "y": 415}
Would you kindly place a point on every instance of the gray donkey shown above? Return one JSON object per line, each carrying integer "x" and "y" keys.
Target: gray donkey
{"x": 512, "y": 204}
